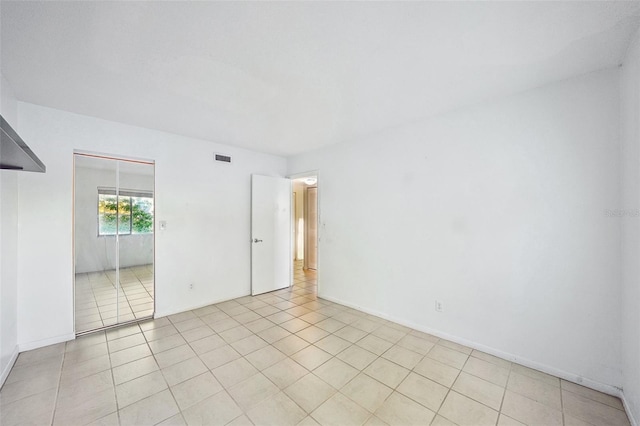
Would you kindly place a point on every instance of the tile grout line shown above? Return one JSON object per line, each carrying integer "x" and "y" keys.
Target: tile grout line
{"x": 373, "y": 361}
{"x": 504, "y": 394}
{"x": 161, "y": 374}
{"x": 55, "y": 400}
{"x": 113, "y": 379}
{"x": 562, "y": 404}
{"x": 450, "y": 387}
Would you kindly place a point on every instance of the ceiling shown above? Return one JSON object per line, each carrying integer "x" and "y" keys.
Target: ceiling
{"x": 289, "y": 77}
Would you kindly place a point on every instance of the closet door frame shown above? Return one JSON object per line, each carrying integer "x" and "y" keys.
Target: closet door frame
{"x": 118, "y": 159}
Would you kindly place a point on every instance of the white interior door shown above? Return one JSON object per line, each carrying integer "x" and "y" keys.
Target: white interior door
{"x": 270, "y": 233}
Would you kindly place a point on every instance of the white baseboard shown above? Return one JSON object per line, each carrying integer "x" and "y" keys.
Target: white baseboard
{"x": 160, "y": 314}
{"x": 627, "y": 409}
{"x": 571, "y": 377}
{"x": 7, "y": 369}
{"x": 28, "y": 346}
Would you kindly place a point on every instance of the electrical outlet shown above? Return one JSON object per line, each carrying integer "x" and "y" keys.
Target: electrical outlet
{"x": 438, "y": 306}
{"x": 191, "y": 286}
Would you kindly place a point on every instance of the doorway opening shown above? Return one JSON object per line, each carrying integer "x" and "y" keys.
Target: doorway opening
{"x": 113, "y": 241}
{"x": 305, "y": 232}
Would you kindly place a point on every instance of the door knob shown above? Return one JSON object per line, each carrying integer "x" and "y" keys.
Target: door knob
{"x": 255, "y": 240}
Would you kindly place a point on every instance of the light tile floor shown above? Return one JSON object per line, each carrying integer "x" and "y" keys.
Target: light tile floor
{"x": 97, "y": 297}
{"x": 285, "y": 358}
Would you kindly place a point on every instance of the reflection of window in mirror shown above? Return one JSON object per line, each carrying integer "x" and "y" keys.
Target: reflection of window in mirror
{"x": 132, "y": 211}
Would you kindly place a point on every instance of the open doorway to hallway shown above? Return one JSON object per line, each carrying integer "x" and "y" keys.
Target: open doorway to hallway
{"x": 305, "y": 231}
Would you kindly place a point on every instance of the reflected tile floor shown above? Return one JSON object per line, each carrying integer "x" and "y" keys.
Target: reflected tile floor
{"x": 96, "y": 297}
{"x": 285, "y": 358}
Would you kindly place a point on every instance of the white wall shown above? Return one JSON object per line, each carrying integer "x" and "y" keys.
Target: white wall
{"x": 94, "y": 253}
{"x": 8, "y": 245}
{"x": 8, "y": 103}
{"x": 498, "y": 211}
{"x": 630, "y": 131}
{"x": 206, "y": 206}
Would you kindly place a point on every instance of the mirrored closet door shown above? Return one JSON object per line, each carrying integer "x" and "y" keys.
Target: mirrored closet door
{"x": 113, "y": 241}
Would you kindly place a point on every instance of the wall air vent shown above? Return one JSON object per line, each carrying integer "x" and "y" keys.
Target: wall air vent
{"x": 222, "y": 158}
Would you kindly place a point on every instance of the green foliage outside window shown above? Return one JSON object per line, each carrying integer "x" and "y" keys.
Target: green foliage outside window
{"x": 141, "y": 215}
{"x": 134, "y": 214}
